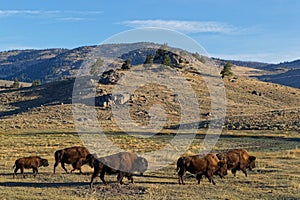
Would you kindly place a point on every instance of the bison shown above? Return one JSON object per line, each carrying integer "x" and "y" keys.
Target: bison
{"x": 77, "y": 156}
{"x": 238, "y": 159}
{"x": 123, "y": 164}
{"x": 33, "y": 162}
{"x": 207, "y": 165}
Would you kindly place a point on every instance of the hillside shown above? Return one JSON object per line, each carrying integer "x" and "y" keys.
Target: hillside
{"x": 57, "y": 64}
{"x": 251, "y": 104}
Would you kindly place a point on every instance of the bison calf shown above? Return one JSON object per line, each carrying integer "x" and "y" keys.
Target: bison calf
{"x": 123, "y": 164}
{"x": 76, "y": 156}
{"x": 33, "y": 162}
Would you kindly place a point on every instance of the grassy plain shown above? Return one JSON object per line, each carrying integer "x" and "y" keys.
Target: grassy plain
{"x": 277, "y": 175}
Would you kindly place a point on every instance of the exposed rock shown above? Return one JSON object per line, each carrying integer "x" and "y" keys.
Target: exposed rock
{"x": 110, "y": 77}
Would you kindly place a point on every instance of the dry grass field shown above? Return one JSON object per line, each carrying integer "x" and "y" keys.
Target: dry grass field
{"x": 277, "y": 175}
{"x": 261, "y": 117}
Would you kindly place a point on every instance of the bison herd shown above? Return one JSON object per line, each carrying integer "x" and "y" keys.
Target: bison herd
{"x": 124, "y": 164}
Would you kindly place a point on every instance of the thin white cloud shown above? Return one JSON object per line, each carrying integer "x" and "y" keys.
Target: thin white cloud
{"x": 75, "y": 19}
{"x": 183, "y": 26}
{"x": 49, "y": 13}
{"x": 19, "y": 12}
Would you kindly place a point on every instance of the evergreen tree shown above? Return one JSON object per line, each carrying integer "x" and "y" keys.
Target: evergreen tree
{"x": 16, "y": 83}
{"x": 167, "y": 60}
{"x": 226, "y": 71}
{"x": 149, "y": 59}
{"x": 126, "y": 64}
{"x": 36, "y": 83}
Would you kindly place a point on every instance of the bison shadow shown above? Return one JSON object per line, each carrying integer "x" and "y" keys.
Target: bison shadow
{"x": 43, "y": 185}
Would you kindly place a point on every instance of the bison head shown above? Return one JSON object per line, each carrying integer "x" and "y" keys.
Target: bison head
{"x": 251, "y": 163}
{"x": 142, "y": 165}
{"x": 44, "y": 162}
{"x": 90, "y": 158}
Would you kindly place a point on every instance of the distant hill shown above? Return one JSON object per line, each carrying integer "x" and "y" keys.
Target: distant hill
{"x": 286, "y": 73}
{"x": 55, "y": 64}
{"x": 50, "y": 65}
{"x": 250, "y": 64}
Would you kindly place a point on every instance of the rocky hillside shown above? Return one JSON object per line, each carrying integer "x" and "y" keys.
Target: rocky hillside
{"x": 250, "y": 104}
{"x": 57, "y": 64}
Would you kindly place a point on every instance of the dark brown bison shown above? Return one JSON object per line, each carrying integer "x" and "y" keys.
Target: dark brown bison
{"x": 33, "y": 162}
{"x": 238, "y": 159}
{"x": 123, "y": 164}
{"x": 207, "y": 165}
{"x": 77, "y": 156}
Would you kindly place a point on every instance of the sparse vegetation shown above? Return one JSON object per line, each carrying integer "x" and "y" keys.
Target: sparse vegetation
{"x": 226, "y": 71}
{"x": 36, "y": 83}
{"x": 149, "y": 59}
{"x": 126, "y": 64}
{"x": 95, "y": 68}
{"x": 16, "y": 84}
{"x": 199, "y": 57}
{"x": 167, "y": 60}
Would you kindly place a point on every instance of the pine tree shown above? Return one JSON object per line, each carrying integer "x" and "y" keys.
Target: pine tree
{"x": 36, "y": 83}
{"x": 167, "y": 60}
{"x": 149, "y": 59}
{"x": 16, "y": 83}
{"x": 226, "y": 71}
{"x": 126, "y": 64}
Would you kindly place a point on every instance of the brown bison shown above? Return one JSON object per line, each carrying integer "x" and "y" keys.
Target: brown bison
{"x": 207, "y": 165}
{"x": 123, "y": 164}
{"x": 77, "y": 156}
{"x": 33, "y": 162}
{"x": 238, "y": 159}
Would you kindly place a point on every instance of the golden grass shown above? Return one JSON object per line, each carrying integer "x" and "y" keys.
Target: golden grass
{"x": 275, "y": 177}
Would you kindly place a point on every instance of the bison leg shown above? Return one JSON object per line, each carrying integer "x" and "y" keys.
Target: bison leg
{"x": 95, "y": 174}
{"x": 63, "y": 166}
{"x": 77, "y": 165}
{"x": 209, "y": 175}
{"x": 15, "y": 171}
{"x": 180, "y": 176}
{"x": 22, "y": 172}
{"x": 102, "y": 177}
{"x": 233, "y": 171}
{"x": 120, "y": 177}
{"x": 244, "y": 171}
{"x": 199, "y": 177}
{"x": 55, "y": 165}
{"x": 130, "y": 178}
{"x": 35, "y": 171}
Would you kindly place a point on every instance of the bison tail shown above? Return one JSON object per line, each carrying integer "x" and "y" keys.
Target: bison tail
{"x": 180, "y": 163}
{"x": 14, "y": 166}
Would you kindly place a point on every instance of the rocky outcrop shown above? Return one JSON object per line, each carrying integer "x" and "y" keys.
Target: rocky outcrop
{"x": 110, "y": 77}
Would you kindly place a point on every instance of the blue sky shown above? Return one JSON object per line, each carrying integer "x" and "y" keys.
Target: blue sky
{"x": 258, "y": 30}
